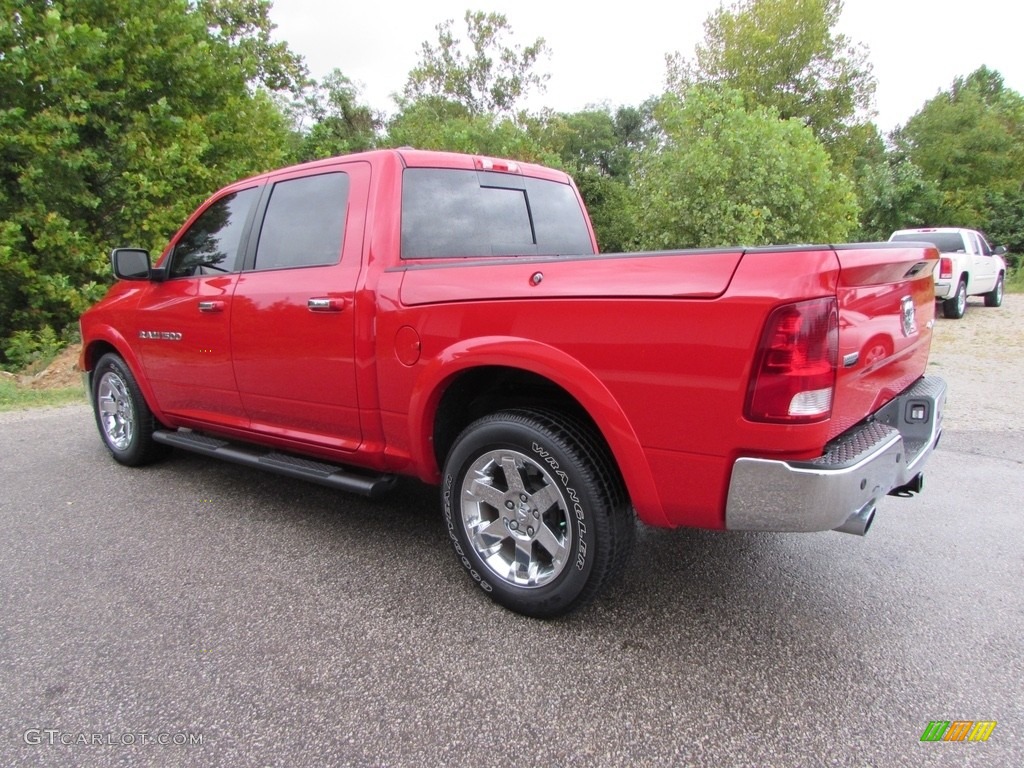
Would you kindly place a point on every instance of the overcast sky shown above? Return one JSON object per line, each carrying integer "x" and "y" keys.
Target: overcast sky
{"x": 615, "y": 54}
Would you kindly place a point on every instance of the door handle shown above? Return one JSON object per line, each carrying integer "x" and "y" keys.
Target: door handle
{"x": 211, "y": 306}
{"x": 325, "y": 305}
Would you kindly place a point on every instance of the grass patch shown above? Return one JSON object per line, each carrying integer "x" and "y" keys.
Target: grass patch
{"x": 13, "y": 397}
{"x": 1015, "y": 281}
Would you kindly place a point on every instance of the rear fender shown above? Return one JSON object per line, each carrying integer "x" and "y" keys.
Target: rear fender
{"x": 562, "y": 370}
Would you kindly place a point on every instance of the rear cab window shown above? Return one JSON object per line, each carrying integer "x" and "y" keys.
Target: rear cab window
{"x": 452, "y": 213}
{"x": 946, "y": 242}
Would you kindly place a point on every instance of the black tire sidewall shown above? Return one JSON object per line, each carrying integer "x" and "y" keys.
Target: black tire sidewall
{"x": 995, "y": 298}
{"x": 951, "y": 308}
{"x": 579, "y": 489}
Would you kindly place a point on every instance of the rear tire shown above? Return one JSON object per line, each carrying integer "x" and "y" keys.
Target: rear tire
{"x": 125, "y": 421}
{"x": 536, "y": 511}
{"x": 994, "y": 298}
{"x": 955, "y": 307}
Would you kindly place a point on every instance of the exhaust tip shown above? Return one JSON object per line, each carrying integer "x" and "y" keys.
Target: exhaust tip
{"x": 859, "y": 522}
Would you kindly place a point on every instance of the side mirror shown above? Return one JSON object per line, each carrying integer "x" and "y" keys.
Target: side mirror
{"x": 130, "y": 263}
{"x": 1000, "y": 250}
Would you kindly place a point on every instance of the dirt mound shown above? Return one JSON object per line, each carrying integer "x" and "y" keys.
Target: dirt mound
{"x": 61, "y": 373}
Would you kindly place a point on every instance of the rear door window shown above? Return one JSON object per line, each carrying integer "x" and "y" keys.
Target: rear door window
{"x": 304, "y": 223}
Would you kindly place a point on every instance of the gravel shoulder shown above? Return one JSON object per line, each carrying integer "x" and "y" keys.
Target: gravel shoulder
{"x": 981, "y": 357}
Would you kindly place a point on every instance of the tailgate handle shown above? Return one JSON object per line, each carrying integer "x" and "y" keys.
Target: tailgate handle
{"x": 211, "y": 306}
{"x": 325, "y": 305}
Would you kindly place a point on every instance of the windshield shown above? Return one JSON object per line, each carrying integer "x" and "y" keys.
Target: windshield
{"x": 946, "y": 242}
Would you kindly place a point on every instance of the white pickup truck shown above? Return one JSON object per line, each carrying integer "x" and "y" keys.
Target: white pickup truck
{"x": 968, "y": 266}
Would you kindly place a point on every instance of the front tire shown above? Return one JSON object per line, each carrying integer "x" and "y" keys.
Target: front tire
{"x": 955, "y": 307}
{"x": 125, "y": 421}
{"x": 536, "y": 511}
{"x": 994, "y": 298}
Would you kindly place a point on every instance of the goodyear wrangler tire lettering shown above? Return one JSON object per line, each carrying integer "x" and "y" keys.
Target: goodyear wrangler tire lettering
{"x": 535, "y": 510}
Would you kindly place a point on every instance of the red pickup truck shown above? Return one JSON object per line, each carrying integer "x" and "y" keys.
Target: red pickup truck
{"x": 449, "y": 317}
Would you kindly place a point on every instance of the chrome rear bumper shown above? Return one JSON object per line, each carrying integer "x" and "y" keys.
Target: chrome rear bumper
{"x": 839, "y": 489}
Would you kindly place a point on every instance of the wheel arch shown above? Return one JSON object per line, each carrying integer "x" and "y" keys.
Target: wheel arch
{"x": 109, "y": 340}
{"x": 476, "y": 377}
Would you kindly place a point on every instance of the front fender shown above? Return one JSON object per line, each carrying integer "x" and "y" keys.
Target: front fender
{"x": 557, "y": 367}
{"x": 107, "y": 336}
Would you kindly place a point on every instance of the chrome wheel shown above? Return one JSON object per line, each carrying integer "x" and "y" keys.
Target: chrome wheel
{"x": 536, "y": 510}
{"x": 961, "y": 299}
{"x": 516, "y": 518}
{"x": 117, "y": 415}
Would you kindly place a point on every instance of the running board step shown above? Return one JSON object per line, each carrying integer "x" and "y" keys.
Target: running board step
{"x": 270, "y": 460}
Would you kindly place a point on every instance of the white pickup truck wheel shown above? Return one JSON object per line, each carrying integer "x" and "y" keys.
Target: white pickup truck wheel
{"x": 535, "y": 512}
{"x": 994, "y": 298}
{"x": 955, "y": 307}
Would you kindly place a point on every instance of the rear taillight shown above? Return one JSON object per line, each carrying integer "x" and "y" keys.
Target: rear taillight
{"x": 946, "y": 268}
{"x": 794, "y": 374}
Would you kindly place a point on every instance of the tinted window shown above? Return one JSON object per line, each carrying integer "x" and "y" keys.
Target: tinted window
{"x": 304, "y": 225}
{"x": 210, "y": 245}
{"x": 468, "y": 213}
{"x": 946, "y": 242}
{"x": 558, "y": 218}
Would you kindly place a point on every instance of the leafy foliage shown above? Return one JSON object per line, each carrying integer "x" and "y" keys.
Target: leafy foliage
{"x": 785, "y": 55}
{"x": 339, "y": 123}
{"x": 969, "y": 141}
{"x": 485, "y": 75}
{"x": 437, "y": 123}
{"x": 1005, "y": 224}
{"x": 598, "y": 139}
{"x": 892, "y": 191}
{"x": 117, "y": 119}
{"x": 728, "y": 175}
{"x": 613, "y": 204}
{"x": 24, "y": 349}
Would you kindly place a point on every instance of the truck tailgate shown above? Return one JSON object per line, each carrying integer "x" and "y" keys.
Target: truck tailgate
{"x": 886, "y": 314}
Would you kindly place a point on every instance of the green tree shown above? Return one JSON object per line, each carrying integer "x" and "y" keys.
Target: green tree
{"x": 117, "y": 118}
{"x": 440, "y": 124}
{"x": 969, "y": 141}
{"x": 891, "y": 190}
{"x": 1005, "y": 223}
{"x": 242, "y": 30}
{"x": 893, "y": 194}
{"x": 726, "y": 174}
{"x": 339, "y": 123}
{"x": 485, "y": 74}
{"x": 784, "y": 54}
{"x": 599, "y": 139}
{"x": 613, "y": 206}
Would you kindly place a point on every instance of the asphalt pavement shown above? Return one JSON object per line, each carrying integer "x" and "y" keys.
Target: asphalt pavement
{"x": 197, "y": 613}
